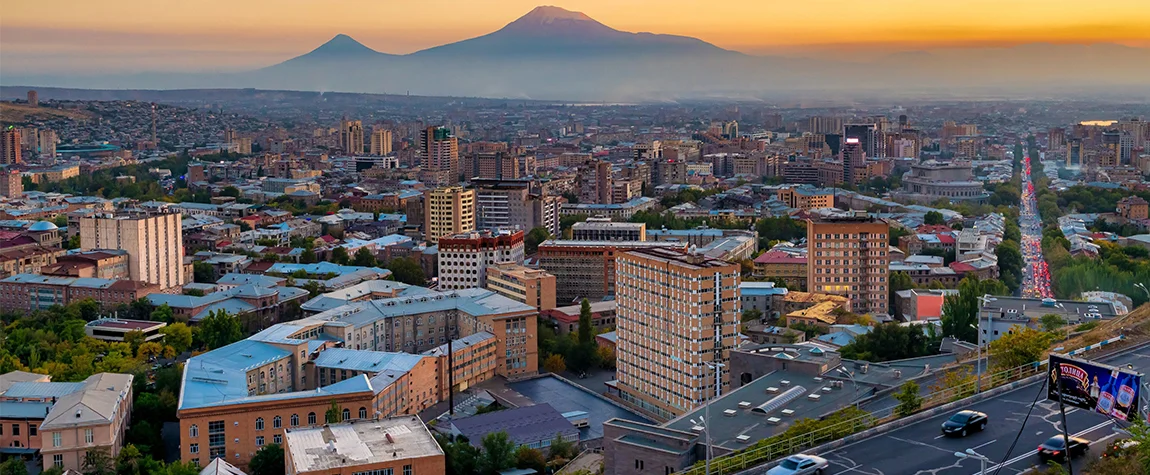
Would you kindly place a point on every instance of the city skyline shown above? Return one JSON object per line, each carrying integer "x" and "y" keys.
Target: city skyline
{"x": 129, "y": 35}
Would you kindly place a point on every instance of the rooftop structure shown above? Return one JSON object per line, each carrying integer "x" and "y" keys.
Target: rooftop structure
{"x": 391, "y": 445}
{"x": 529, "y": 425}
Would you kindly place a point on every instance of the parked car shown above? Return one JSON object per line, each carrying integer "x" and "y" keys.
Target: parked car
{"x": 800, "y": 465}
{"x": 1056, "y": 448}
{"x": 963, "y": 423}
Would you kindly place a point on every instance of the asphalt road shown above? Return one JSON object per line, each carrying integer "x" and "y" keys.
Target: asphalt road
{"x": 921, "y": 449}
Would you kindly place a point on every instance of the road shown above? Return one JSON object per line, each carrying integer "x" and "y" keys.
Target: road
{"x": 1036, "y": 274}
{"x": 920, "y": 449}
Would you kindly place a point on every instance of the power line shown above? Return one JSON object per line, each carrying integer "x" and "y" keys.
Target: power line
{"x": 1006, "y": 457}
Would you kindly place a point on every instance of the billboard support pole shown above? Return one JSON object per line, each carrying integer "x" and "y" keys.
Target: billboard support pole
{"x": 1062, "y": 409}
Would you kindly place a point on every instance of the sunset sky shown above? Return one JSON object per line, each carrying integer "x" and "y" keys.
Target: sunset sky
{"x": 141, "y": 35}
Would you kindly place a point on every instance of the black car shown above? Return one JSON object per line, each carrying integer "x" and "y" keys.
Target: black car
{"x": 1055, "y": 448}
{"x": 964, "y": 422}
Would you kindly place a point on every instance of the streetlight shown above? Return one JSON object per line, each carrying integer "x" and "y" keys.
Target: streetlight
{"x": 851, "y": 376}
{"x": 1144, "y": 289}
{"x": 706, "y": 420}
{"x": 970, "y": 453}
{"x": 983, "y": 302}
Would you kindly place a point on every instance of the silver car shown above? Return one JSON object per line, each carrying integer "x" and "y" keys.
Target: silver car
{"x": 800, "y": 465}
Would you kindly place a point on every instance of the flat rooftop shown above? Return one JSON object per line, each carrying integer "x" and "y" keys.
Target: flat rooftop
{"x": 337, "y": 446}
{"x": 680, "y": 259}
{"x": 124, "y": 324}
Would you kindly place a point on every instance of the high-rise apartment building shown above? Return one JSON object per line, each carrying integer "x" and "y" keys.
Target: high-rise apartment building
{"x": 11, "y": 184}
{"x": 10, "y": 146}
{"x": 867, "y": 135}
{"x": 154, "y": 244}
{"x": 511, "y": 204}
{"x": 586, "y": 269}
{"x": 439, "y": 155}
{"x": 33, "y": 99}
{"x": 380, "y": 141}
{"x": 496, "y": 165}
{"x": 847, "y": 255}
{"x": 447, "y": 211}
{"x": 351, "y": 136}
{"x": 595, "y": 184}
{"x": 677, "y": 318}
{"x": 47, "y": 143}
{"x": 854, "y": 161}
{"x": 532, "y": 287}
{"x": 463, "y": 258}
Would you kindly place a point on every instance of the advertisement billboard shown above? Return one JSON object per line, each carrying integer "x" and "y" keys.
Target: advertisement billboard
{"x": 1095, "y": 387}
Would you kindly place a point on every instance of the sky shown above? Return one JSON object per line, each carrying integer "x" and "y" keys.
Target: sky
{"x": 227, "y": 35}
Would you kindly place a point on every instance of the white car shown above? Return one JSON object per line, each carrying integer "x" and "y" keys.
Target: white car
{"x": 800, "y": 465}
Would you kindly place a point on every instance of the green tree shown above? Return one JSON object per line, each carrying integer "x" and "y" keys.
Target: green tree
{"x": 177, "y": 335}
{"x": 163, "y": 313}
{"x": 534, "y": 237}
{"x": 203, "y": 273}
{"x": 1020, "y": 346}
{"x": 752, "y": 315}
{"x": 219, "y": 329}
{"x": 562, "y": 448}
{"x": 1009, "y": 264}
{"x": 899, "y": 281}
{"x": 461, "y": 457}
{"x": 933, "y": 218}
{"x": 890, "y": 341}
{"x": 908, "y": 399}
{"x": 339, "y": 256}
{"x": 308, "y": 257}
{"x": 1051, "y": 322}
{"x": 498, "y": 453}
{"x": 897, "y": 232}
{"x": 230, "y": 191}
{"x": 333, "y": 414}
{"x": 960, "y": 312}
{"x": 268, "y": 460}
{"x": 13, "y": 466}
{"x": 527, "y": 457}
{"x": 97, "y": 461}
{"x": 135, "y": 338}
{"x": 407, "y": 271}
{"x": 586, "y": 327}
{"x": 554, "y": 364}
{"x": 364, "y": 258}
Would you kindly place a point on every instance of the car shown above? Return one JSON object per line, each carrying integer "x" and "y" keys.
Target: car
{"x": 800, "y": 465}
{"x": 964, "y": 422}
{"x": 1056, "y": 448}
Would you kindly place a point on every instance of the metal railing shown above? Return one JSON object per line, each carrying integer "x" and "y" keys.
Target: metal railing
{"x": 770, "y": 449}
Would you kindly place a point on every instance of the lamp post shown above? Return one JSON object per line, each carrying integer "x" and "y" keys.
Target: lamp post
{"x": 851, "y": 376}
{"x": 706, "y": 421}
{"x": 970, "y": 453}
{"x": 1144, "y": 289}
{"x": 983, "y": 302}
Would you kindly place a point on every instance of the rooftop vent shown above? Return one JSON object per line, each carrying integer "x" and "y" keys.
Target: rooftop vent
{"x": 772, "y": 390}
{"x": 785, "y": 382}
{"x": 814, "y": 397}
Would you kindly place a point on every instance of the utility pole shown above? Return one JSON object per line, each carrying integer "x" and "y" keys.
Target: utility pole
{"x": 1065, "y": 428}
{"x": 451, "y": 333}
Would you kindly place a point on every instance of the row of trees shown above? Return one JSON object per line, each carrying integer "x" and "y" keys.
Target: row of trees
{"x": 498, "y": 453}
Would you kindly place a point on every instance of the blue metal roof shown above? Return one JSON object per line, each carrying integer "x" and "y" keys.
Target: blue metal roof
{"x": 24, "y": 410}
{"x": 368, "y": 361}
{"x": 31, "y": 389}
{"x": 220, "y": 375}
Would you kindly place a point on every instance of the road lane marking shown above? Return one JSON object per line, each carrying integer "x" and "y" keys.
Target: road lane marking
{"x": 1033, "y": 452}
{"x": 979, "y": 446}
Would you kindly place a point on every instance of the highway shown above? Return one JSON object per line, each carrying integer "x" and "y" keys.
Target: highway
{"x": 921, "y": 449}
{"x": 1036, "y": 274}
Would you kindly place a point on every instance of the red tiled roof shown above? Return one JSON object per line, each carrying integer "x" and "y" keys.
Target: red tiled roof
{"x": 779, "y": 257}
{"x": 945, "y": 238}
{"x": 961, "y": 267}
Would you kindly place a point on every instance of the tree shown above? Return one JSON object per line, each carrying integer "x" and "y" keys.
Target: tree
{"x": 135, "y": 338}
{"x": 13, "y": 466}
{"x": 498, "y": 453}
{"x": 163, "y": 313}
{"x": 908, "y": 399}
{"x": 555, "y": 364}
{"x": 407, "y": 271}
{"x": 203, "y": 273}
{"x": 178, "y": 336}
{"x": 97, "y": 461}
{"x": 586, "y": 328}
{"x": 958, "y": 382}
{"x": 149, "y": 350}
{"x": 960, "y": 312}
{"x": 534, "y": 237}
{"x": 339, "y": 256}
{"x": 219, "y": 329}
{"x": 606, "y": 357}
{"x": 752, "y": 315}
{"x": 364, "y": 258}
{"x": 897, "y": 232}
{"x": 268, "y": 460}
{"x": 230, "y": 191}
{"x": 308, "y": 256}
{"x": 899, "y": 281}
{"x": 333, "y": 414}
{"x": 890, "y": 341}
{"x": 461, "y": 457}
{"x": 527, "y": 457}
{"x": 1051, "y": 322}
{"x": 562, "y": 448}
{"x": 583, "y": 355}
{"x": 1019, "y": 346}
{"x": 933, "y": 218}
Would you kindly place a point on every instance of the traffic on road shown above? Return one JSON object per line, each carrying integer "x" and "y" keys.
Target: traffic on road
{"x": 1036, "y": 274}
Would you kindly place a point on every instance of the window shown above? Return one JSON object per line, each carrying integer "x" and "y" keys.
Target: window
{"x": 294, "y": 420}
{"x": 31, "y": 430}
{"x": 57, "y": 460}
{"x": 407, "y": 470}
{"x": 196, "y": 461}
{"x": 15, "y": 429}
{"x": 216, "y": 439}
{"x": 56, "y": 439}
{"x": 194, "y": 431}
{"x": 277, "y": 423}
{"x": 638, "y": 465}
{"x": 277, "y": 439}
{"x": 311, "y": 418}
{"x": 259, "y": 423}
{"x": 259, "y": 441}
{"x": 346, "y": 413}
{"x": 194, "y": 448}
{"x": 88, "y": 439}
{"x": 363, "y": 413}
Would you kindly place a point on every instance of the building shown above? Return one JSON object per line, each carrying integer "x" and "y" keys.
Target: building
{"x": 28, "y": 292}
{"x": 33, "y": 99}
{"x": 777, "y": 264}
{"x": 1002, "y": 315}
{"x": 380, "y": 142}
{"x": 101, "y": 264}
{"x": 10, "y": 146}
{"x": 566, "y": 319}
{"x": 601, "y": 229}
{"x": 531, "y": 426}
{"x": 532, "y": 287}
{"x": 11, "y": 184}
{"x": 1133, "y": 207}
{"x": 586, "y": 269}
{"x": 494, "y": 165}
{"x": 807, "y": 197}
{"x": 439, "y": 156}
{"x": 762, "y": 296}
{"x": 388, "y": 446}
{"x": 351, "y": 136}
{"x": 448, "y": 211}
{"x": 623, "y": 211}
{"x": 463, "y": 258}
{"x": 63, "y": 421}
{"x": 512, "y": 204}
{"x": 47, "y": 143}
{"x": 677, "y": 313}
{"x": 952, "y": 180}
{"x": 853, "y": 161}
{"x": 595, "y": 183}
{"x": 113, "y": 329}
{"x": 847, "y": 256}
{"x": 154, "y": 244}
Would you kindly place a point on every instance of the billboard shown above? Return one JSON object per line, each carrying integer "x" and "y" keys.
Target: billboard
{"x": 1095, "y": 387}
